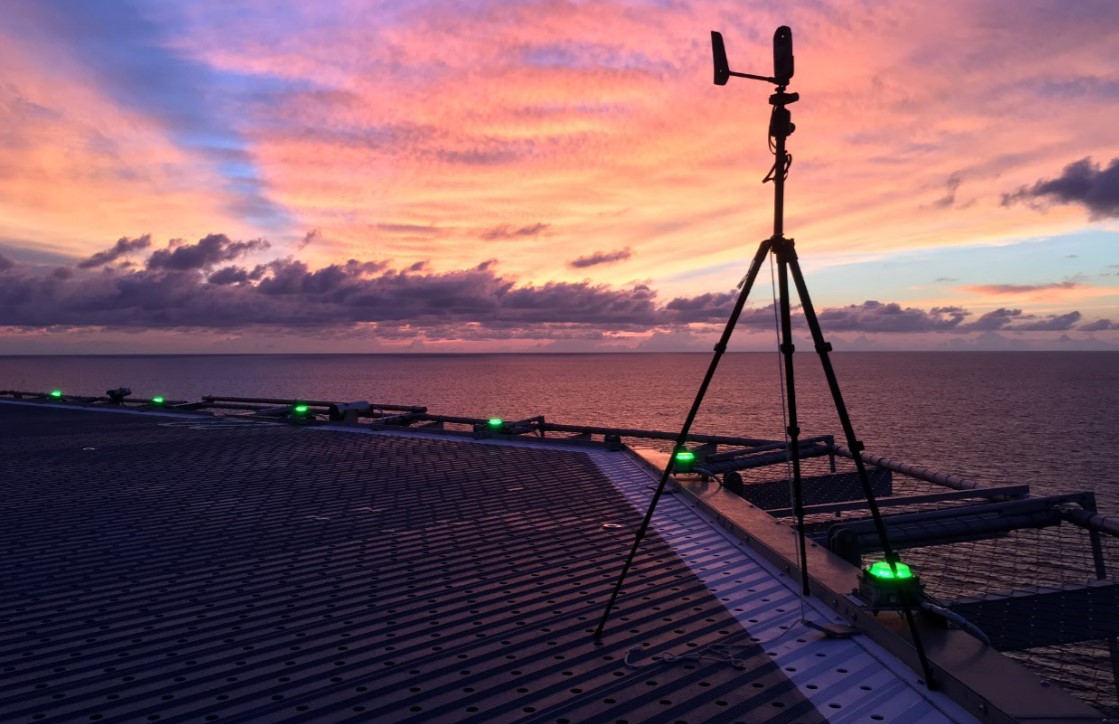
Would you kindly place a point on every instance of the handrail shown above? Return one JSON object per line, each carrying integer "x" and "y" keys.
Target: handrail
{"x": 652, "y": 434}
{"x": 1092, "y": 520}
{"x": 312, "y": 403}
{"x": 914, "y": 471}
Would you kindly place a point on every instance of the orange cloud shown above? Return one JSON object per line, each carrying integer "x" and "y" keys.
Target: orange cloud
{"x": 537, "y": 133}
{"x": 600, "y": 121}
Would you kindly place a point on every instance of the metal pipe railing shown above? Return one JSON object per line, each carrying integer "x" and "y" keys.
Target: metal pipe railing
{"x": 915, "y": 471}
{"x": 1091, "y": 520}
{"x": 313, "y": 403}
{"x": 653, "y": 434}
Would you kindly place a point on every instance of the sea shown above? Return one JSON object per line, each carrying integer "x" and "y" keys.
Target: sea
{"x": 1049, "y": 419}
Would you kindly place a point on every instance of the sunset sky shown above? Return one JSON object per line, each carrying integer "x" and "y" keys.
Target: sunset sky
{"x": 469, "y": 175}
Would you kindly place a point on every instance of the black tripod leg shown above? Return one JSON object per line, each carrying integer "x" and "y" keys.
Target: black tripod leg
{"x": 793, "y": 430}
{"x": 682, "y": 438}
{"x": 856, "y": 447}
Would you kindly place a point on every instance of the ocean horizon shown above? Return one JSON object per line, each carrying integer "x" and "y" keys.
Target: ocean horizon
{"x": 1045, "y": 418}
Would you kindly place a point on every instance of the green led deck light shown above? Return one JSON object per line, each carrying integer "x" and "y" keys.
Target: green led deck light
{"x": 887, "y": 587}
{"x": 157, "y": 400}
{"x": 682, "y": 461}
{"x": 300, "y": 413}
{"x": 56, "y": 394}
{"x": 883, "y": 572}
{"x": 493, "y": 425}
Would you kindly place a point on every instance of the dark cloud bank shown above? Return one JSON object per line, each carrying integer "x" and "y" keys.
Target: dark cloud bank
{"x": 199, "y": 286}
{"x": 123, "y": 247}
{"x": 1082, "y": 182}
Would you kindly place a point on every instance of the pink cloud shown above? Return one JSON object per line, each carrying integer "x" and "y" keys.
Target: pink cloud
{"x": 418, "y": 133}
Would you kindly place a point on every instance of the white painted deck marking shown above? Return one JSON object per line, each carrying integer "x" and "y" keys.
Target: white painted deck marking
{"x": 850, "y": 680}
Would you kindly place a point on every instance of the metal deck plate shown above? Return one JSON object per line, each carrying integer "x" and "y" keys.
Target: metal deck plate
{"x": 164, "y": 570}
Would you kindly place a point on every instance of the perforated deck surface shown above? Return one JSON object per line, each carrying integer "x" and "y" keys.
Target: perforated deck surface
{"x": 158, "y": 569}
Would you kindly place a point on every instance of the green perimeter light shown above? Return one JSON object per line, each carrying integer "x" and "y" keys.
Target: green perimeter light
{"x": 885, "y": 586}
{"x": 883, "y": 572}
{"x": 56, "y": 394}
{"x": 157, "y": 400}
{"x": 300, "y": 409}
{"x": 495, "y": 422}
{"x": 682, "y": 461}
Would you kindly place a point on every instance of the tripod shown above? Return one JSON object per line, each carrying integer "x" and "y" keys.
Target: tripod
{"x": 783, "y": 249}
